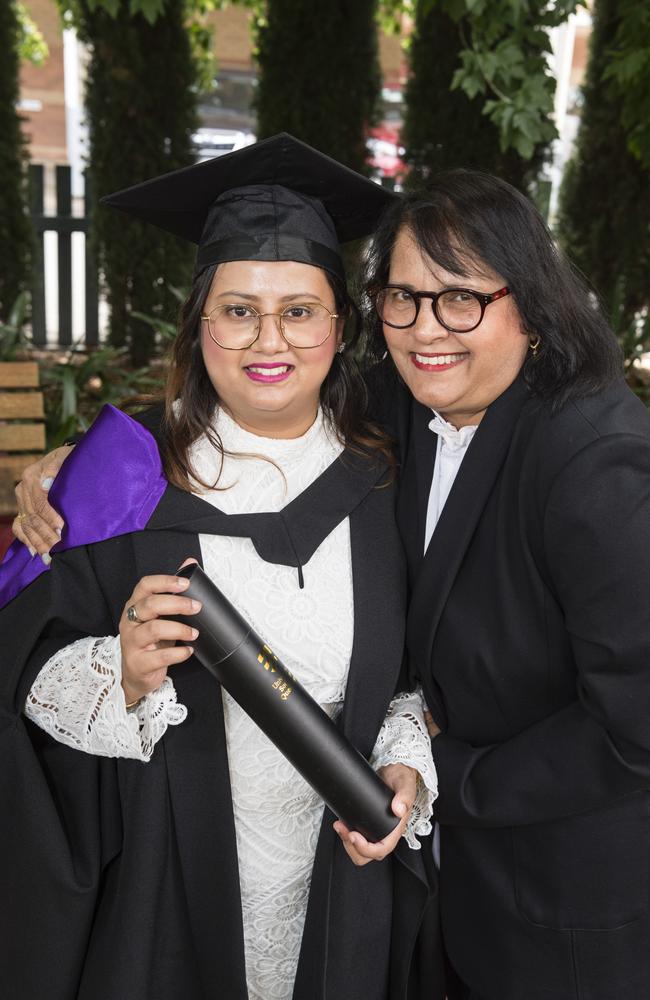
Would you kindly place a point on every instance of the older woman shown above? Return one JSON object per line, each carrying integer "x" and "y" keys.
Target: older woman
{"x": 525, "y": 510}
{"x": 160, "y": 846}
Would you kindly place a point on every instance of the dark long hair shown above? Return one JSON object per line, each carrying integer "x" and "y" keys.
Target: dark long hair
{"x": 191, "y": 399}
{"x": 467, "y": 221}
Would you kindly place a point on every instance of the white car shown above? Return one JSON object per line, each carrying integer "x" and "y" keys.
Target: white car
{"x": 211, "y": 142}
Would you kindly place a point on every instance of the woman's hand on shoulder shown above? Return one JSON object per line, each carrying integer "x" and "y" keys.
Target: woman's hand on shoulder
{"x": 148, "y": 639}
{"x": 402, "y": 780}
{"x": 38, "y": 525}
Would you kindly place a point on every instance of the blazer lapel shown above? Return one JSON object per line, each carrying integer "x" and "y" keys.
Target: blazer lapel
{"x": 415, "y": 486}
{"x": 469, "y": 494}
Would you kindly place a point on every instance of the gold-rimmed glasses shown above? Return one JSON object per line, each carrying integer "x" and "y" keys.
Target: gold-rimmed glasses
{"x": 236, "y": 325}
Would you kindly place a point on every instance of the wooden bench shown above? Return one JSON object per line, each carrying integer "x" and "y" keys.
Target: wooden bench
{"x": 22, "y": 431}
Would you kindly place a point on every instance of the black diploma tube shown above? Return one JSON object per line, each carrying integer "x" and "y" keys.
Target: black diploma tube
{"x": 250, "y": 672}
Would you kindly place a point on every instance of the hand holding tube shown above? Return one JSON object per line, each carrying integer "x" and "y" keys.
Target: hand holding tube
{"x": 250, "y": 672}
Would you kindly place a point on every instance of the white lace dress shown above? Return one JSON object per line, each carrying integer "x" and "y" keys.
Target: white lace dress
{"x": 77, "y": 696}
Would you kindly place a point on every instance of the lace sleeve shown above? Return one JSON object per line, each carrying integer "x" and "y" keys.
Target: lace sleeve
{"x": 404, "y": 739}
{"x": 77, "y": 698}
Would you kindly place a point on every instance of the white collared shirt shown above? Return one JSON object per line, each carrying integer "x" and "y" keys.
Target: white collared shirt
{"x": 452, "y": 444}
{"x": 451, "y": 448}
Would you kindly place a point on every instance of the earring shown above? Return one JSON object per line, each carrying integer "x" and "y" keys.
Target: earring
{"x": 534, "y": 345}
{"x": 340, "y": 348}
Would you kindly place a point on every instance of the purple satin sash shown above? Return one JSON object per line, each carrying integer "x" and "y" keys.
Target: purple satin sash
{"x": 109, "y": 485}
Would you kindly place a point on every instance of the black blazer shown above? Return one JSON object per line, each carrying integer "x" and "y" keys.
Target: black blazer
{"x": 529, "y": 628}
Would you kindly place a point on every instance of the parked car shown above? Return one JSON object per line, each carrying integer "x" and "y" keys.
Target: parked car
{"x": 226, "y": 121}
{"x": 383, "y": 142}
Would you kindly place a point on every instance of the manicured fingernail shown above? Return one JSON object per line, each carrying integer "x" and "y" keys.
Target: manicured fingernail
{"x": 31, "y": 551}
{"x": 47, "y": 558}
{"x": 182, "y": 582}
{"x": 194, "y": 632}
{"x": 59, "y": 531}
{"x": 47, "y": 482}
{"x": 196, "y": 605}
{"x": 400, "y": 808}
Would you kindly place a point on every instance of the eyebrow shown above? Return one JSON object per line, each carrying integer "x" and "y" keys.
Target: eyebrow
{"x": 445, "y": 286}
{"x": 302, "y": 296}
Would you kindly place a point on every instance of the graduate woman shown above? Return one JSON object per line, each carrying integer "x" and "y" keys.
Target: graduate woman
{"x": 158, "y": 845}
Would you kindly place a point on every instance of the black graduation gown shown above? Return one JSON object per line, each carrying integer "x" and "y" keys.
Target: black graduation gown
{"x": 529, "y": 629}
{"x": 119, "y": 879}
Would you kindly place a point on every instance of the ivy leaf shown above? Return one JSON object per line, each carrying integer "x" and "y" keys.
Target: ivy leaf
{"x": 151, "y": 10}
{"x": 523, "y": 145}
{"x": 112, "y": 7}
{"x": 470, "y": 85}
{"x": 527, "y": 124}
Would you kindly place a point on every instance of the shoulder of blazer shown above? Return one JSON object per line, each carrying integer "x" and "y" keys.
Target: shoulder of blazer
{"x": 546, "y": 440}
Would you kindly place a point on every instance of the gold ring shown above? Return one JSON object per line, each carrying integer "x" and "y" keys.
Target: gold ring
{"x": 21, "y": 517}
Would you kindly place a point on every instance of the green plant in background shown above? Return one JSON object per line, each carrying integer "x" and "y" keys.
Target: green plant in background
{"x": 604, "y": 212}
{"x": 77, "y": 387}
{"x": 501, "y": 61}
{"x": 629, "y": 73}
{"x": 13, "y": 339}
{"x": 319, "y": 74}
{"x": 446, "y": 127}
{"x": 634, "y": 338}
{"x": 141, "y": 108}
{"x": 15, "y": 229}
{"x": 32, "y": 47}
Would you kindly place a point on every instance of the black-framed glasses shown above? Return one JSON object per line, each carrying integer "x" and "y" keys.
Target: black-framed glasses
{"x": 459, "y": 310}
{"x": 236, "y": 325}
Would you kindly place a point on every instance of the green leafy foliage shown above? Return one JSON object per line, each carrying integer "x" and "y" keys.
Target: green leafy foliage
{"x": 604, "y": 217}
{"x": 319, "y": 74}
{"x": 629, "y": 74}
{"x": 15, "y": 229}
{"x": 32, "y": 47}
{"x": 13, "y": 339}
{"x": 77, "y": 386}
{"x": 501, "y": 61}
{"x": 457, "y": 128}
{"x": 140, "y": 100}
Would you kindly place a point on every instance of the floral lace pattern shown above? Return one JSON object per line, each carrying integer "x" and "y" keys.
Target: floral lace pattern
{"x": 404, "y": 739}
{"x": 77, "y": 698}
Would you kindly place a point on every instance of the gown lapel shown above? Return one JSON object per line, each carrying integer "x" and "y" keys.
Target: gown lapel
{"x": 460, "y": 516}
{"x": 287, "y": 537}
{"x": 200, "y": 798}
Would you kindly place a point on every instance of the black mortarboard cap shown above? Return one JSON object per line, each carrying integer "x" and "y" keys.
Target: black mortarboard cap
{"x": 278, "y": 199}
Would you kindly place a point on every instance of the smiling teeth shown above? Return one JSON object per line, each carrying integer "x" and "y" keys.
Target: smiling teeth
{"x": 278, "y": 370}
{"x": 439, "y": 359}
